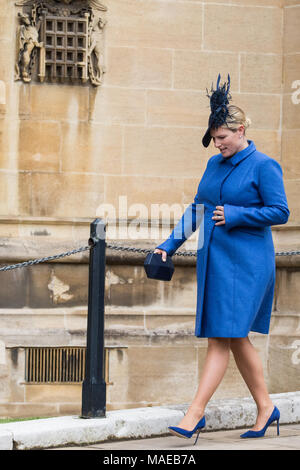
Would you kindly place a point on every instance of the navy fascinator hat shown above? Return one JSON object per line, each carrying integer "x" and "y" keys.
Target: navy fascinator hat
{"x": 219, "y": 100}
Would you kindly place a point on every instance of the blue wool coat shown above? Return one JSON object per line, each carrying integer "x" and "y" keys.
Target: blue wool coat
{"x": 236, "y": 264}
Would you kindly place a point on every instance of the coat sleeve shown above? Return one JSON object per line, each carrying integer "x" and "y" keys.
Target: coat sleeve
{"x": 275, "y": 209}
{"x": 188, "y": 224}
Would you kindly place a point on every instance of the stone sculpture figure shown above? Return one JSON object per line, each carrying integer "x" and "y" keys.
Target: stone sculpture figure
{"x": 96, "y": 52}
{"x": 28, "y": 39}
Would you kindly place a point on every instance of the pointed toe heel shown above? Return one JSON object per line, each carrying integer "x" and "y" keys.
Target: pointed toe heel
{"x": 180, "y": 432}
{"x": 275, "y": 416}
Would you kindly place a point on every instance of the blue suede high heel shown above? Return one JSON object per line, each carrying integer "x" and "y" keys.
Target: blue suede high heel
{"x": 180, "y": 432}
{"x": 274, "y": 417}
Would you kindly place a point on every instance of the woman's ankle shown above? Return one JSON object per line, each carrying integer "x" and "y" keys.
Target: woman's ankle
{"x": 197, "y": 410}
{"x": 263, "y": 407}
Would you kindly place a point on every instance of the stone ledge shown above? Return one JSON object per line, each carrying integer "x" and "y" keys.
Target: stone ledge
{"x": 22, "y": 239}
{"x": 14, "y": 251}
{"x": 140, "y": 423}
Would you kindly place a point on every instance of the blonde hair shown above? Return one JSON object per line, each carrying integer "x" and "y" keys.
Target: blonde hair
{"x": 236, "y": 118}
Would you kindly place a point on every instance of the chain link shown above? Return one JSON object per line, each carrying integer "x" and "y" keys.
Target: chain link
{"x": 112, "y": 247}
{"x": 42, "y": 260}
{"x": 184, "y": 253}
{"x": 128, "y": 248}
{"x": 287, "y": 253}
{"x": 145, "y": 250}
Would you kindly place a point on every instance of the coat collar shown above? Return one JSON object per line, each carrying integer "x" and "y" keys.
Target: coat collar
{"x": 239, "y": 156}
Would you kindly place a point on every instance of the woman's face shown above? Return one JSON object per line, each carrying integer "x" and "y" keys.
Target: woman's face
{"x": 227, "y": 141}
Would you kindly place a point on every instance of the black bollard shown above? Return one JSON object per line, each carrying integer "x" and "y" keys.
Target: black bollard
{"x": 94, "y": 386}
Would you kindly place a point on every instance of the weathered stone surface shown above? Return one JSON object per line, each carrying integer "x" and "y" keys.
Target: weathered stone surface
{"x": 284, "y": 363}
{"x": 261, "y": 73}
{"x": 189, "y": 67}
{"x": 267, "y": 141}
{"x": 144, "y": 24}
{"x": 263, "y": 110}
{"x": 139, "y": 67}
{"x": 13, "y": 292}
{"x": 39, "y": 145}
{"x": 291, "y": 22}
{"x": 66, "y": 194}
{"x": 144, "y": 147}
{"x": 176, "y": 108}
{"x": 291, "y": 65}
{"x": 100, "y": 144}
{"x": 59, "y": 103}
{"x": 267, "y": 23}
{"x": 287, "y": 298}
{"x": 292, "y": 191}
{"x": 290, "y": 162}
{"x": 61, "y": 285}
{"x": 113, "y": 106}
{"x": 53, "y": 393}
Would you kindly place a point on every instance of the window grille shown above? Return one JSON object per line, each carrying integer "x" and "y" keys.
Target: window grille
{"x": 61, "y": 364}
{"x": 54, "y": 364}
{"x": 66, "y": 48}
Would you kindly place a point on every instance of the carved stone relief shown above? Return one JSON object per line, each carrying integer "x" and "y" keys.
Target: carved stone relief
{"x": 60, "y": 41}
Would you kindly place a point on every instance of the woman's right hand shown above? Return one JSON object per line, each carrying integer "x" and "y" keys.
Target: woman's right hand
{"x": 163, "y": 253}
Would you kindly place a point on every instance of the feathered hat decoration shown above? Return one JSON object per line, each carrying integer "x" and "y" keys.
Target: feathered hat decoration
{"x": 219, "y": 100}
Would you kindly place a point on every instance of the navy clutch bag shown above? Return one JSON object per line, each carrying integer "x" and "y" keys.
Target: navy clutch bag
{"x": 158, "y": 269}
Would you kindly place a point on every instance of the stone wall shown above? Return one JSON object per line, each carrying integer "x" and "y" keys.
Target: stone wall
{"x": 67, "y": 149}
{"x": 284, "y": 357}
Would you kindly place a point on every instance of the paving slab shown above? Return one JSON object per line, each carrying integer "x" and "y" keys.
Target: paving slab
{"x": 289, "y": 439}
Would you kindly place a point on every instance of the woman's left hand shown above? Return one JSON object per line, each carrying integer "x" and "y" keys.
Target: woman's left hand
{"x": 219, "y": 215}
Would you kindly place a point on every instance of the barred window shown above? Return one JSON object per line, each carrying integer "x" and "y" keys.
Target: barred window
{"x": 66, "y": 47}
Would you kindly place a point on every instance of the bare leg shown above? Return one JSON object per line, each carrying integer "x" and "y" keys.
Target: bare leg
{"x": 215, "y": 366}
{"x": 250, "y": 366}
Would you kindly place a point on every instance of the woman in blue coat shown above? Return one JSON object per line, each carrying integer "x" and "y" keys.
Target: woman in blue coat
{"x": 242, "y": 194}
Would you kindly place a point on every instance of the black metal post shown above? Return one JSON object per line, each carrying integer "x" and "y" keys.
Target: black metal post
{"x": 94, "y": 386}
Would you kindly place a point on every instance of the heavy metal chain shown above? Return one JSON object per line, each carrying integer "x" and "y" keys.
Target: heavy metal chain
{"x": 145, "y": 250}
{"x": 42, "y": 260}
{"x": 287, "y": 253}
{"x": 112, "y": 247}
{"x": 185, "y": 253}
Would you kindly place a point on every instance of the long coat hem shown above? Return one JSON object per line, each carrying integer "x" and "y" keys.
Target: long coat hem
{"x": 236, "y": 260}
{"x": 236, "y": 336}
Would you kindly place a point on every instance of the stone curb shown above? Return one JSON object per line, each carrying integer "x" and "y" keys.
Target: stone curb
{"x": 137, "y": 423}
{"x": 6, "y": 440}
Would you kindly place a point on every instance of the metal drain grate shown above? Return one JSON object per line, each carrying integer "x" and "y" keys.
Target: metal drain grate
{"x": 54, "y": 364}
